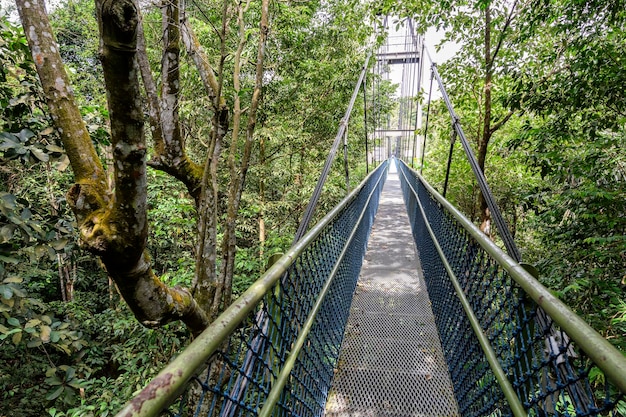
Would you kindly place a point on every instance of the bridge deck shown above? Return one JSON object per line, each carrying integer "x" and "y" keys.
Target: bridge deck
{"x": 391, "y": 363}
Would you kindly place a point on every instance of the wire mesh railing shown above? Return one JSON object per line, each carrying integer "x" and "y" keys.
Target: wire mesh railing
{"x": 529, "y": 354}
{"x": 274, "y": 350}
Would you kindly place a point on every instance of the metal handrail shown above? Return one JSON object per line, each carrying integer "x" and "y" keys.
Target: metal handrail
{"x": 610, "y": 360}
{"x": 505, "y": 385}
{"x": 280, "y": 382}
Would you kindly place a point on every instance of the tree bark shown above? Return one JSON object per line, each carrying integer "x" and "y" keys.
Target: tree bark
{"x": 112, "y": 224}
{"x": 169, "y": 148}
{"x": 485, "y": 137}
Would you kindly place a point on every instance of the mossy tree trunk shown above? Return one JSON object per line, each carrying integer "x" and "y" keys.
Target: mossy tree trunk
{"x": 112, "y": 222}
{"x": 112, "y": 218}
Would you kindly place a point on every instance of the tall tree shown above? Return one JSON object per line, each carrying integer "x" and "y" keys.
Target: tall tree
{"x": 576, "y": 142}
{"x": 112, "y": 218}
{"x": 478, "y": 75}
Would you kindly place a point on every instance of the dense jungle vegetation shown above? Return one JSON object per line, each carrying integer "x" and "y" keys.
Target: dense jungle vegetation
{"x": 239, "y": 103}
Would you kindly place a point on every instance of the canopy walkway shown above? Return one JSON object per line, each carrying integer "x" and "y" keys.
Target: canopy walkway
{"x": 391, "y": 349}
{"x": 394, "y": 304}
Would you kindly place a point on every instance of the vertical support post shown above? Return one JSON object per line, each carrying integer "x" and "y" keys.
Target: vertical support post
{"x": 418, "y": 113}
{"x": 452, "y": 141}
{"x": 345, "y": 159}
{"x": 367, "y": 156}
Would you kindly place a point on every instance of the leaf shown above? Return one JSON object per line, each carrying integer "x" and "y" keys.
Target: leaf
{"x": 34, "y": 343}
{"x": 17, "y": 338}
{"x": 39, "y": 154}
{"x": 25, "y": 134}
{"x": 26, "y": 214}
{"x": 3, "y": 329}
{"x": 32, "y": 323}
{"x": 6, "y": 292}
{"x": 70, "y": 372}
{"x": 40, "y": 251}
{"x": 47, "y": 131}
{"x": 64, "y": 348}
{"x": 8, "y": 141}
{"x": 55, "y": 148}
{"x": 18, "y": 292}
{"x": 6, "y": 233}
{"x": 54, "y": 379}
{"x": 45, "y": 333}
{"x": 55, "y": 337}
{"x": 55, "y": 394}
{"x": 8, "y": 200}
{"x": 9, "y": 260}
{"x": 13, "y": 280}
{"x": 62, "y": 163}
{"x": 59, "y": 244}
{"x": 13, "y": 322}
{"x": 46, "y": 319}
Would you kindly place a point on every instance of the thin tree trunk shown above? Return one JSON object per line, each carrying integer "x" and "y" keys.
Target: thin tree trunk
{"x": 485, "y": 137}
{"x": 262, "y": 163}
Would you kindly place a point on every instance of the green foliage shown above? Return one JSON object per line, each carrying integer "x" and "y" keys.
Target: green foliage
{"x": 32, "y": 335}
{"x": 19, "y": 88}
{"x": 579, "y": 215}
{"x": 575, "y": 141}
{"x": 28, "y": 148}
{"x": 172, "y": 224}
{"x": 76, "y": 29}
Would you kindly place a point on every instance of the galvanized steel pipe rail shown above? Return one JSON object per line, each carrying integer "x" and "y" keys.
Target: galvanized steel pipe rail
{"x": 503, "y": 299}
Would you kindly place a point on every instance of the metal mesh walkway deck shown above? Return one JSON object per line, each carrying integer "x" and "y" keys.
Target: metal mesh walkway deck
{"x": 391, "y": 363}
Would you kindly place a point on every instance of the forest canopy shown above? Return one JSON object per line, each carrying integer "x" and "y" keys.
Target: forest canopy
{"x": 156, "y": 156}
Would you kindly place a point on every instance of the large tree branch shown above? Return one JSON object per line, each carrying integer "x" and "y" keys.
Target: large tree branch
{"x": 91, "y": 183}
{"x": 126, "y": 228}
{"x": 169, "y": 148}
{"x": 113, "y": 227}
{"x": 198, "y": 56}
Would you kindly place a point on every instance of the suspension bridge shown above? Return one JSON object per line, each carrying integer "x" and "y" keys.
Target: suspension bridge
{"x": 394, "y": 304}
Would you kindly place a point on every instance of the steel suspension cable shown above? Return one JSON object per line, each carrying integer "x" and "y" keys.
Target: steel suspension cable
{"x": 430, "y": 95}
{"x": 501, "y": 224}
{"x": 345, "y": 158}
{"x": 367, "y": 156}
{"x": 445, "y": 183}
